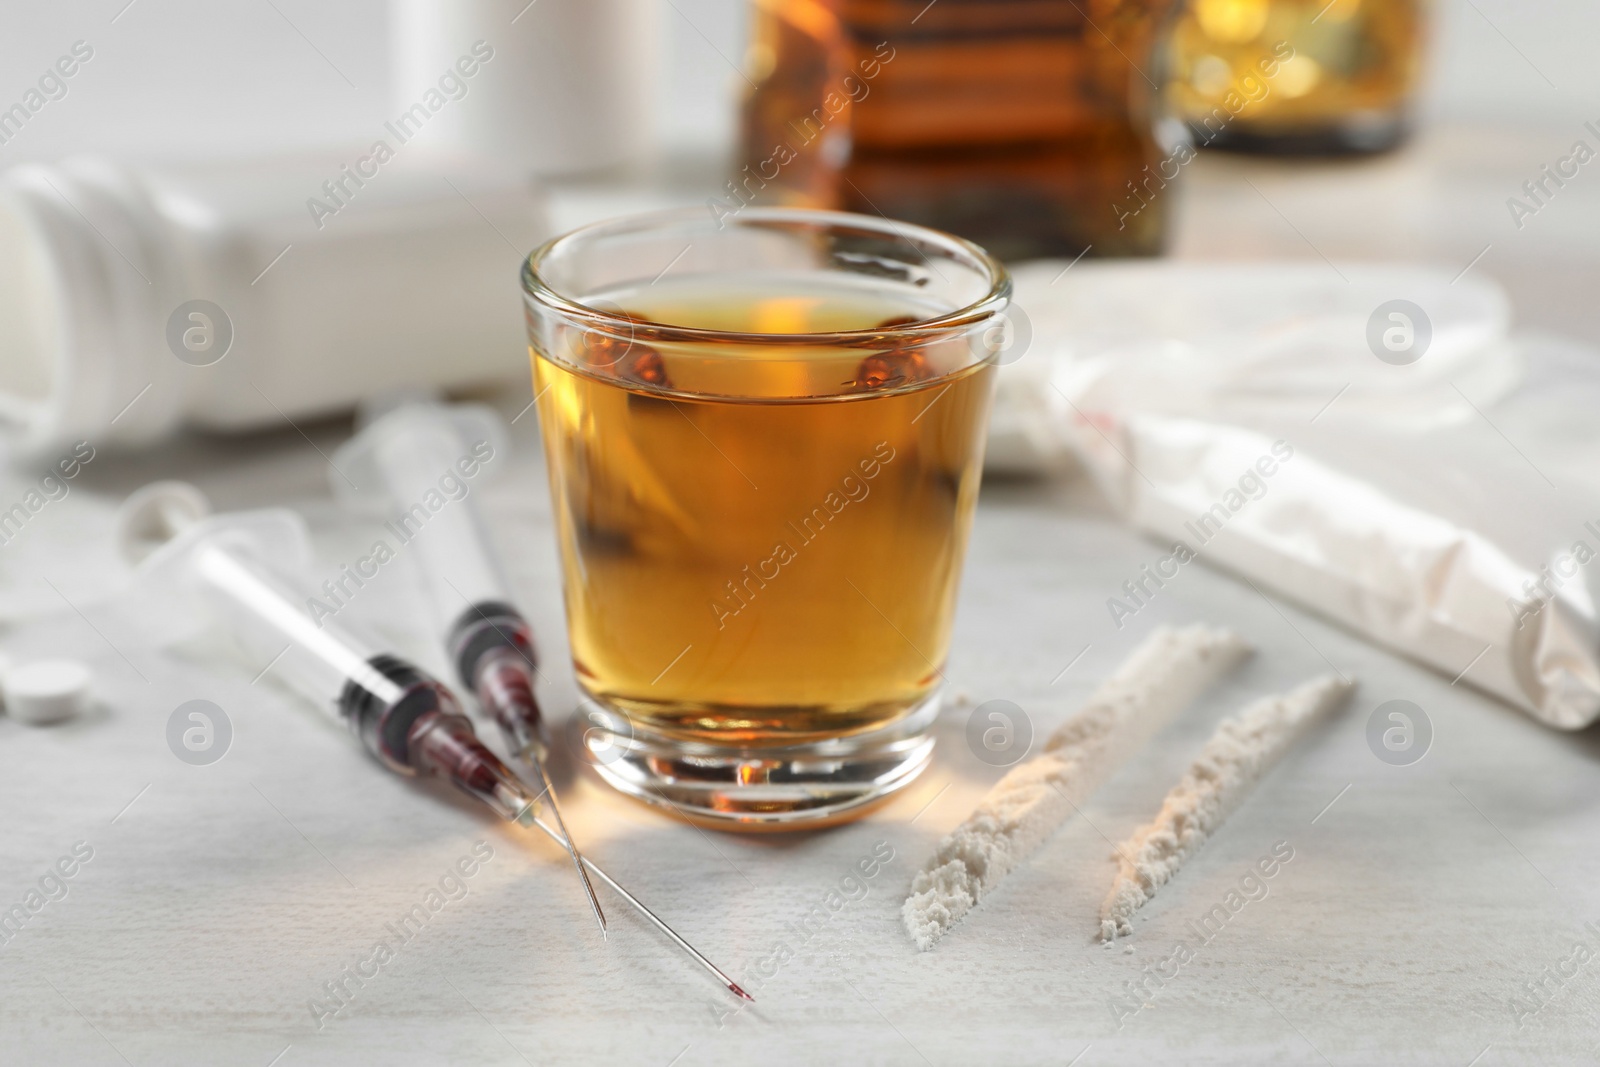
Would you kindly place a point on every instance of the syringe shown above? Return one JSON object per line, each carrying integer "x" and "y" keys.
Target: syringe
{"x": 226, "y": 570}
{"x": 421, "y": 454}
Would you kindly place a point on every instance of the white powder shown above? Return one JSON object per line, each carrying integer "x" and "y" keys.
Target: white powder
{"x": 1242, "y": 750}
{"x": 1156, "y": 682}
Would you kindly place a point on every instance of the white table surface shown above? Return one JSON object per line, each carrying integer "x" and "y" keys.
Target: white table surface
{"x": 220, "y": 898}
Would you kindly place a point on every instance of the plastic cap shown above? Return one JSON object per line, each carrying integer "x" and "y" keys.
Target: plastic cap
{"x": 153, "y": 515}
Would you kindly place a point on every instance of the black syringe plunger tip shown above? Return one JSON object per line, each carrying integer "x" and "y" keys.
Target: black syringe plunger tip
{"x": 504, "y": 686}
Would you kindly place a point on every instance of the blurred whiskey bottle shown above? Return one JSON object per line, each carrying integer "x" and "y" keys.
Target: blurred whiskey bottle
{"x": 1024, "y": 125}
{"x": 1297, "y": 76}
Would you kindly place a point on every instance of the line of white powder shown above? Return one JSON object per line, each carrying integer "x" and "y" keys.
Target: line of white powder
{"x": 1243, "y": 749}
{"x": 1160, "y": 679}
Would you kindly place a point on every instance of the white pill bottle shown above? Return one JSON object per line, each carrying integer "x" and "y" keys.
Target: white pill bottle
{"x": 571, "y": 87}
{"x": 136, "y": 300}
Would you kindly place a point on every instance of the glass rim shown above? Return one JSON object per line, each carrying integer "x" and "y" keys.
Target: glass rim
{"x": 536, "y": 288}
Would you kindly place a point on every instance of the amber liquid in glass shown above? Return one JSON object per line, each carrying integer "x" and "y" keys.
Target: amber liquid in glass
{"x": 779, "y": 563}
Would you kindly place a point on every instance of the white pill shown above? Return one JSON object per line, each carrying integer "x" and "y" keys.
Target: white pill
{"x": 47, "y": 691}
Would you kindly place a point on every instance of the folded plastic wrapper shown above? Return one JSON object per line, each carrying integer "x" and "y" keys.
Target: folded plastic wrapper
{"x": 1447, "y": 508}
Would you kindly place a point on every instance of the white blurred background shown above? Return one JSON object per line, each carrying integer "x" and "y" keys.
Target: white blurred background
{"x": 206, "y": 77}
{"x": 1510, "y": 84}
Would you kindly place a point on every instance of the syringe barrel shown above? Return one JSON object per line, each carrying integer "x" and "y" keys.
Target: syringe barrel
{"x": 424, "y": 464}
{"x": 222, "y": 571}
{"x": 270, "y": 620}
{"x": 379, "y": 696}
{"x": 421, "y": 457}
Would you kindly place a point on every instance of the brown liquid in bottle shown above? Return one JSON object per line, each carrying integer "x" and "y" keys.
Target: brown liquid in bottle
{"x": 1018, "y": 124}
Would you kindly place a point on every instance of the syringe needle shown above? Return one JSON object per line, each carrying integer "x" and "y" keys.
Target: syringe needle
{"x": 444, "y": 744}
{"x": 494, "y": 654}
{"x": 733, "y": 987}
{"x": 408, "y": 721}
{"x": 529, "y": 757}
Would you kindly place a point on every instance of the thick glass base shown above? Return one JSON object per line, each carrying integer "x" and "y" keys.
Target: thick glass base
{"x": 790, "y": 787}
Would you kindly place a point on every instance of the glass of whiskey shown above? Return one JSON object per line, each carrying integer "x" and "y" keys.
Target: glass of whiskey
{"x": 764, "y": 435}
